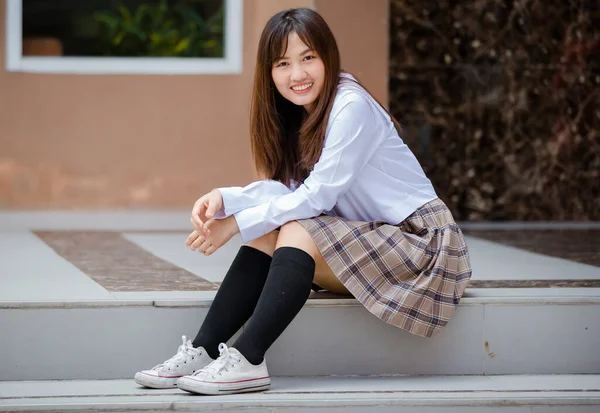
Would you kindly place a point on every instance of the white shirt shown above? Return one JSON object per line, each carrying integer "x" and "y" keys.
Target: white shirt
{"x": 365, "y": 173}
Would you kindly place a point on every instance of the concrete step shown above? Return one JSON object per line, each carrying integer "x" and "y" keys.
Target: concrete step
{"x": 97, "y": 296}
{"x": 495, "y": 331}
{"x": 423, "y": 394}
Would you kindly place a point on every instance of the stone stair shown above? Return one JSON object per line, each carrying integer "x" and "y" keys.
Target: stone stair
{"x": 73, "y": 331}
{"x": 423, "y": 394}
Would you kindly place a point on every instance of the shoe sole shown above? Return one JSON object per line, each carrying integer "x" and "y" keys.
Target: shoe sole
{"x": 200, "y": 387}
{"x": 155, "y": 382}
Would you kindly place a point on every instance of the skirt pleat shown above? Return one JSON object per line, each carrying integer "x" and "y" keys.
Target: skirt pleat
{"x": 411, "y": 275}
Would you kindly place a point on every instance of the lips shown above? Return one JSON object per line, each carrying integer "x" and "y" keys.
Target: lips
{"x": 302, "y": 88}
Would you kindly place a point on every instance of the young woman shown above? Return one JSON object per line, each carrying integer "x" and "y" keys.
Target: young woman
{"x": 344, "y": 206}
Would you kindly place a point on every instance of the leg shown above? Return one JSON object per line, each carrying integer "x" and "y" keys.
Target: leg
{"x": 236, "y": 299}
{"x": 285, "y": 292}
{"x": 301, "y": 239}
{"x": 266, "y": 243}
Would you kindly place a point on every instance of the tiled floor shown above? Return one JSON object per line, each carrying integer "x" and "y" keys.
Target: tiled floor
{"x": 146, "y": 261}
{"x": 120, "y": 265}
{"x": 579, "y": 245}
{"x": 102, "y": 255}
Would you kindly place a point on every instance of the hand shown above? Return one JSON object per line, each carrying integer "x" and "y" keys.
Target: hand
{"x": 219, "y": 232}
{"x": 205, "y": 208}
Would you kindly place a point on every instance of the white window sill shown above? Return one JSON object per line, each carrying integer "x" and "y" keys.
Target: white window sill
{"x": 141, "y": 66}
{"x": 231, "y": 64}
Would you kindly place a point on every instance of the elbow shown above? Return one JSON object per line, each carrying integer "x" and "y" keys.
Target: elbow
{"x": 324, "y": 200}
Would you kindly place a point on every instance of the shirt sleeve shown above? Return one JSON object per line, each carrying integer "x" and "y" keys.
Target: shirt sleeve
{"x": 237, "y": 198}
{"x": 350, "y": 142}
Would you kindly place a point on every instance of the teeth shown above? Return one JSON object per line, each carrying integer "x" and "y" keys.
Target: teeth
{"x": 299, "y": 88}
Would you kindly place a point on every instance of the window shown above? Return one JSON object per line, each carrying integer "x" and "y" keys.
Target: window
{"x": 124, "y": 36}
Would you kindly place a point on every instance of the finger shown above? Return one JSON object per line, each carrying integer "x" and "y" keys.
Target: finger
{"x": 215, "y": 202}
{"x": 197, "y": 206}
{"x": 198, "y": 228}
{"x": 204, "y": 246}
{"x": 193, "y": 220}
{"x": 198, "y": 213}
{"x": 196, "y": 240}
{"x": 202, "y": 211}
{"x": 207, "y": 225}
{"x": 197, "y": 243}
{"x": 197, "y": 221}
{"x": 211, "y": 248}
{"x": 191, "y": 238}
{"x": 211, "y": 209}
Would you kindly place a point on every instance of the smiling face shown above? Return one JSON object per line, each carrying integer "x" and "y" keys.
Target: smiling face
{"x": 299, "y": 74}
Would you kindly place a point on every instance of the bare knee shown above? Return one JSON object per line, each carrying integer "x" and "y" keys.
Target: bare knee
{"x": 266, "y": 243}
{"x": 293, "y": 234}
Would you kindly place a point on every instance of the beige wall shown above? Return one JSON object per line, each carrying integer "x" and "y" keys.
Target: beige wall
{"x": 120, "y": 141}
{"x": 361, "y": 31}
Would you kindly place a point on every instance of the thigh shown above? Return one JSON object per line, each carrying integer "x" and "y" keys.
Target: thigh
{"x": 266, "y": 243}
{"x": 295, "y": 235}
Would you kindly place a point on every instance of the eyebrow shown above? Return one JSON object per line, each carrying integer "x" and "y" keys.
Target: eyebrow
{"x": 301, "y": 54}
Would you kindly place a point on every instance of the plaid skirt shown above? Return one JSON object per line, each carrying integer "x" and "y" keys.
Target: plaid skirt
{"x": 411, "y": 275}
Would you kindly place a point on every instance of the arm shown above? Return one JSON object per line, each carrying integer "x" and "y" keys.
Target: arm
{"x": 237, "y": 198}
{"x": 352, "y": 139}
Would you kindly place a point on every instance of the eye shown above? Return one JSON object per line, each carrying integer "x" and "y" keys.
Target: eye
{"x": 309, "y": 57}
{"x": 282, "y": 64}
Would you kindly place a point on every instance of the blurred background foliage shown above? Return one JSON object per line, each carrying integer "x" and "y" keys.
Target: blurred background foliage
{"x": 129, "y": 28}
{"x": 500, "y": 102}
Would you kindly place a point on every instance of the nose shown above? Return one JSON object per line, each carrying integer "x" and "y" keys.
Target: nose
{"x": 298, "y": 73}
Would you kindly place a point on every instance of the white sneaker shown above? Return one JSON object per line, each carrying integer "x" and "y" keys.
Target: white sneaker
{"x": 188, "y": 360}
{"x": 230, "y": 373}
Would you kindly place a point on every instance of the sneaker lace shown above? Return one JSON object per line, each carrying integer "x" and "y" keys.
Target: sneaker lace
{"x": 183, "y": 353}
{"x": 222, "y": 363}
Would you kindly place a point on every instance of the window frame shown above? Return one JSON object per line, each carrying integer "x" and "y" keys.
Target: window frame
{"x": 230, "y": 64}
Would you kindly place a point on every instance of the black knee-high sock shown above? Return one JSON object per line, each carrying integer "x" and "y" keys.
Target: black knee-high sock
{"x": 286, "y": 290}
{"x": 236, "y": 299}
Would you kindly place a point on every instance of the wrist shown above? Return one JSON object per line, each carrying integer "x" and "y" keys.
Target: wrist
{"x": 233, "y": 225}
{"x": 221, "y": 204}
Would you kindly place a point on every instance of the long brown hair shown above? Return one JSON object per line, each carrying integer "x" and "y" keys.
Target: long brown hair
{"x": 287, "y": 141}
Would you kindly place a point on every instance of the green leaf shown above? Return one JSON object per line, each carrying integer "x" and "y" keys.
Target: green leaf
{"x": 182, "y": 45}
{"x": 210, "y": 44}
{"x": 140, "y": 13}
{"x": 197, "y": 19}
{"x": 125, "y": 13}
{"x": 155, "y": 38}
{"x": 119, "y": 38}
{"x": 160, "y": 28}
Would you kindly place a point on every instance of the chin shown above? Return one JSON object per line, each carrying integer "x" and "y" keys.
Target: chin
{"x": 302, "y": 102}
